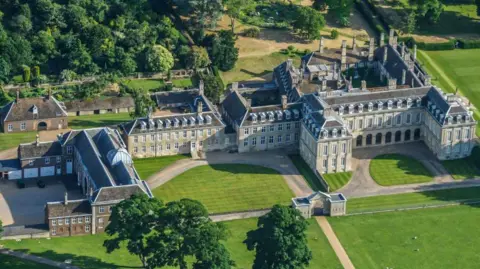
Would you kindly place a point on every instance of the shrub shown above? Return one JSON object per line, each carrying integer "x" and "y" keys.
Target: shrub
{"x": 334, "y": 34}
{"x": 468, "y": 44}
{"x": 307, "y": 51}
{"x": 40, "y": 184}
{"x": 252, "y": 32}
{"x": 20, "y": 184}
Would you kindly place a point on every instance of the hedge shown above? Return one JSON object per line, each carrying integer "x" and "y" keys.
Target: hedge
{"x": 410, "y": 41}
{"x": 468, "y": 44}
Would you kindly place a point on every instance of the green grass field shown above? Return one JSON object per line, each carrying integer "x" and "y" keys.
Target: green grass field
{"x": 306, "y": 172}
{"x": 337, "y": 180}
{"x": 154, "y": 84}
{"x": 465, "y": 168}
{"x": 12, "y": 140}
{"x": 100, "y": 120}
{"x": 149, "y": 166}
{"x": 440, "y": 238}
{"x": 9, "y": 262}
{"x": 416, "y": 199}
{"x": 396, "y": 169}
{"x": 256, "y": 67}
{"x": 87, "y": 252}
{"x": 228, "y": 187}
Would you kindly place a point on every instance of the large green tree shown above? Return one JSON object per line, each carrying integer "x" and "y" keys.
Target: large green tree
{"x": 158, "y": 59}
{"x": 428, "y": 10}
{"x": 237, "y": 8}
{"x": 202, "y": 14}
{"x": 308, "y": 23}
{"x": 132, "y": 222}
{"x": 341, "y": 10}
{"x": 223, "y": 53}
{"x": 280, "y": 241}
{"x": 197, "y": 58}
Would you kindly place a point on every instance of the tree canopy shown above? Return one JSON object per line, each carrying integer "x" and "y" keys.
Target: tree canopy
{"x": 341, "y": 10}
{"x": 223, "y": 53}
{"x": 308, "y": 23}
{"x": 280, "y": 241}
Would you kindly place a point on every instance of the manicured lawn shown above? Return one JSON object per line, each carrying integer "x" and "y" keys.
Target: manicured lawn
{"x": 337, "y": 180}
{"x": 416, "y": 199}
{"x": 149, "y": 166}
{"x": 440, "y": 238}
{"x": 157, "y": 84}
{"x": 12, "y": 140}
{"x": 455, "y": 68}
{"x": 256, "y": 67}
{"x": 323, "y": 255}
{"x": 465, "y": 168}
{"x": 228, "y": 187}
{"x": 396, "y": 169}
{"x": 9, "y": 262}
{"x": 87, "y": 252}
{"x": 306, "y": 172}
{"x": 100, "y": 120}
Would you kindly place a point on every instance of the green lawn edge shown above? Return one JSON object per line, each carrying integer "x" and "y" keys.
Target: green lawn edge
{"x": 398, "y": 169}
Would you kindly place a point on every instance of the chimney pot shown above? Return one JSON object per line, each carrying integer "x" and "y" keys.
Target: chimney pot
{"x": 200, "y": 88}
{"x": 66, "y": 198}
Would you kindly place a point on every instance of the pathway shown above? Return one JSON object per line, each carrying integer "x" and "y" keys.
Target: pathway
{"x": 37, "y": 259}
{"x": 334, "y": 242}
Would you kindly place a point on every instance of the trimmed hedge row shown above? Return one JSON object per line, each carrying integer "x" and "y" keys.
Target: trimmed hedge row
{"x": 468, "y": 44}
{"x": 410, "y": 41}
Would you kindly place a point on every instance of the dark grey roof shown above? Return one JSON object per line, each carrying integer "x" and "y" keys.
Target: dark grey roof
{"x": 22, "y": 109}
{"x": 329, "y": 56}
{"x": 42, "y": 149}
{"x": 9, "y": 165}
{"x": 313, "y": 101}
{"x": 235, "y": 107}
{"x": 261, "y": 97}
{"x": 174, "y": 97}
{"x": 435, "y": 96}
{"x": 72, "y": 208}
{"x": 395, "y": 65}
{"x": 296, "y": 106}
{"x": 116, "y": 193}
{"x": 99, "y": 104}
{"x": 377, "y": 96}
{"x": 284, "y": 80}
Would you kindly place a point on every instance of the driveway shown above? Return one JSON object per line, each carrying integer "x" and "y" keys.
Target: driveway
{"x": 27, "y": 206}
{"x": 275, "y": 159}
{"x": 362, "y": 183}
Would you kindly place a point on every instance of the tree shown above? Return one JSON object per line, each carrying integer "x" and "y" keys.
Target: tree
{"x": 477, "y": 3}
{"x": 132, "y": 221}
{"x": 308, "y": 23}
{"x": 4, "y": 71}
{"x": 410, "y": 23}
{"x": 4, "y": 99}
{"x": 213, "y": 87}
{"x": 429, "y": 10}
{"x": 320, "y": 5}
{"x": 203, "y": 13}
{"x": 223, "y": 53}
{"x": 158, "y": 59}
{"x": 197, "y": 58}
{"x": 237, "y": 8}
{"x": 143, "y": 101}
{"x": 280, "y": 240}
{"x": 341, "y": 10}
{"x": 26, "y": 73}
{"x": 185, "y": 231}
{"x": 67, "y": 75}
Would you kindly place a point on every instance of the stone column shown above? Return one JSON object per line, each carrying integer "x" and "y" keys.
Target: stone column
{"x": 382, "y": 39}
{"x": 390, "y": 38}
{"x": 321, "y": 45}
{"x": 344, "y": 55}
{"x": 371, "y": 49}
{"x": 404, "y": 76}
{"x": 385, "y": 54}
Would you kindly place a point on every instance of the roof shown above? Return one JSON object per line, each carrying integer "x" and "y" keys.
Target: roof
{"x": 72, "y": 208}
{"x": 395, "y": 65}
{"x": 284, "y": 77}
{"x": 47, "y": 108}
{"x": 235, "y": 106}
{"x": 275, "y": 109}
{"x": 117, "y": 193}
{"x": 174, "y": 97}
{"x": 99, "y": 104}
{"x": 330, "y": 56}
{"x": 42, "y": 149}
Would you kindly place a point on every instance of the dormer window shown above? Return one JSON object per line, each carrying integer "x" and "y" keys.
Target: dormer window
{"x": 184, "y": 121}
{"x": 159, "y": 124}
{"x": 360, "y": 108}
{"x": 370, "y": 106}
{"x": 254, "y": 117}
{"x": 325, "y": 134}
{"x": 399, "y": 103}
{"x": 296, "y": 114}
{"x": 176, "y": 123}
{"x": 262, "y": 116}
{"x": 344, "y": 132}
{"x": 341, "y": 110}
{"x": 288, "y": 114}
{"x": 409, "y": 102}
{"x": 279, "y": 115}
{"x": 450, "y": 120}
{"x": 389, "y": 104}
{"x": 35, "y": 112}
{"x": 143, "y": 125}
{"x": 271, "y": 117}
{"x": 168, "y": 123}
{"x": 351, "y": 109}
{"x": 151, "y": 124}
{"x": 459, "y": 118}
{"x": 419, "y": 102}
{"x": 209, "y": 119}
{"x": 200, "y": 119}
{"x": 380, "y": 105}
{"x": 334, "y": 133}
{"x": 192, "y": 121}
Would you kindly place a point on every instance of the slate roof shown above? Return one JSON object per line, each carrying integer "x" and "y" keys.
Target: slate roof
{"x": 376, "y": 96}
{"x": 329, "y": 56}
{"x": 72, "y": 208}
{"x": 174, "y": 97}
{"x": 284, "y": 80}
{"x": 395, "y": 65}
{"x": 107, "y": 194}
{"x": 290, "y": 107}
{"x": 42, "y": 149}
{"x": 100, "y": 104}
{"x": 235, "y": 105}
{"x": 22, "y": 109}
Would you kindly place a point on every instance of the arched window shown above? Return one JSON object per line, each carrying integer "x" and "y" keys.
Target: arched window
{"x": 398, "y": 136}
{"x": 407, "y": 135}
{"x": 359, "y": 141}
{"x": 369, "y": 139}
{"x": 378, "y": 138}
{"x": 388, "y": 137}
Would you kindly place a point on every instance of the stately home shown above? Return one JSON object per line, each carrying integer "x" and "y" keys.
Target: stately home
{"x": 95, "y": 160}
{"x": 336, "y": 100}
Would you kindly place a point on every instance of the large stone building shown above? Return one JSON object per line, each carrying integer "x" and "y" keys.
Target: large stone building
{"x": 33, "y": 114}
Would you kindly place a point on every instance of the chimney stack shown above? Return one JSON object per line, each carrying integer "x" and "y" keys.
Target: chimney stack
{"x": 344, "y": 55}
{"x": 66, "y": 198}
{"x": 404, "y": 76}
{"x": 390, "y": 38}
{"x": 37, "y": 140}
{"x": 382, "y": 39}
{"x": 324, "y": 85}
{"x": 385, "y": 54}
{"x": 200, "y": 88}
{"x": 199, "y": 107}
{"x": 402, "y": 50}
{"x": 354, "y": 43}
{"x": 392, "y": 84}
{"x": 18, "y": 96}
{"x": 234, "y": 86}
{"x": 49, "y": 92}
{"x": 415, "y": 52}
{"x": 364, "y": 85}
{"x": 289, "y": 64}
{"x": 371, "y": 49}
{"x": 284, "y": 102}
{"x": 322, "y": 44}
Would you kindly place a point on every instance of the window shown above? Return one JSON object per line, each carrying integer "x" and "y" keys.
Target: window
{"x": 159, "y": 137}
{"x": 458, "y": 134}
{"x": 334, "y": 148}
{"x": 60, "y": 221}
{"x": 370, "y": 123}
{"x": 67, "y": 221}
{"x": 245, "y": 142}
{"x": 297, "y": 125}
{"x": 344, "y": 148}
{"x": 200, "y": 133}
{"x": 100, "y": 220}
{"x": 168, "y": 146}
{"x": 449, "y": 136}
{"x": 168, "y": 136}
{"x": 325, "y": 163}
{"x": 59, "y": 159}
{"x": 287, "y": 138}
{"x": 254, "y": 141}
{"x": 264, "y": 129}
{"x": 334, "y": 163}
{"x": 467, "y": 133}
{"x": 23, "y": 126}
{"x": 31, "y": 162}
{"x": 152, "y": 148}
{"x": 209, "y": 131}
{"x": 246, "y": 131}
{"x": 144, "y": 138}
{"x": 379, "y": 122}
{"x": 325, "y": 150}
{"x": 398, "y": 119}
{"x": 296, "y": 136}
{"x": 176, "y": 145}
{"x": 272, "y": 128}
{"x": 80, "y": 220}
{"x": 254, "y": 130}
{"x": 350, "y": 124}
{"x": 262, "y": 140}
{"x": 135, "y": 139}
{"x": 360, "y": 124}
{"x": 152, "y": 137}
{"x": 54, "y": 231}
{"x": 10, "y": 127}
{"x": 343, "y": 162}
{"x": 101, "y": 209}
{"x": 87, "y": 219}
{"x": 54, "y": 222}
{"x": 135, "y": 150}
{"x": 389, "y": 120}
{"x": 289, "y": 126}
{"x": 193, "y": 133}
{"x": 144, "y": 149}
{"x": 193, "y": 145}
{"x": 279, "y": 139}
{"x": 409, "y": 119}
{"x": 87, "y": 228}
{"x": 74, "y": 220}
{"x": 270, "y": 139}
{"x": 280, "y": 127}
{"x": 69, "y": 149}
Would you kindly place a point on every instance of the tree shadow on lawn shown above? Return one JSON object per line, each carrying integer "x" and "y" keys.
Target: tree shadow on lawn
{"x": 409, "y": 165}
{"x": 244, "y": 168}
{"x": 468, "y": 196}
{"x": 256, "y": 74}
{"x": 84, "y": 262}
